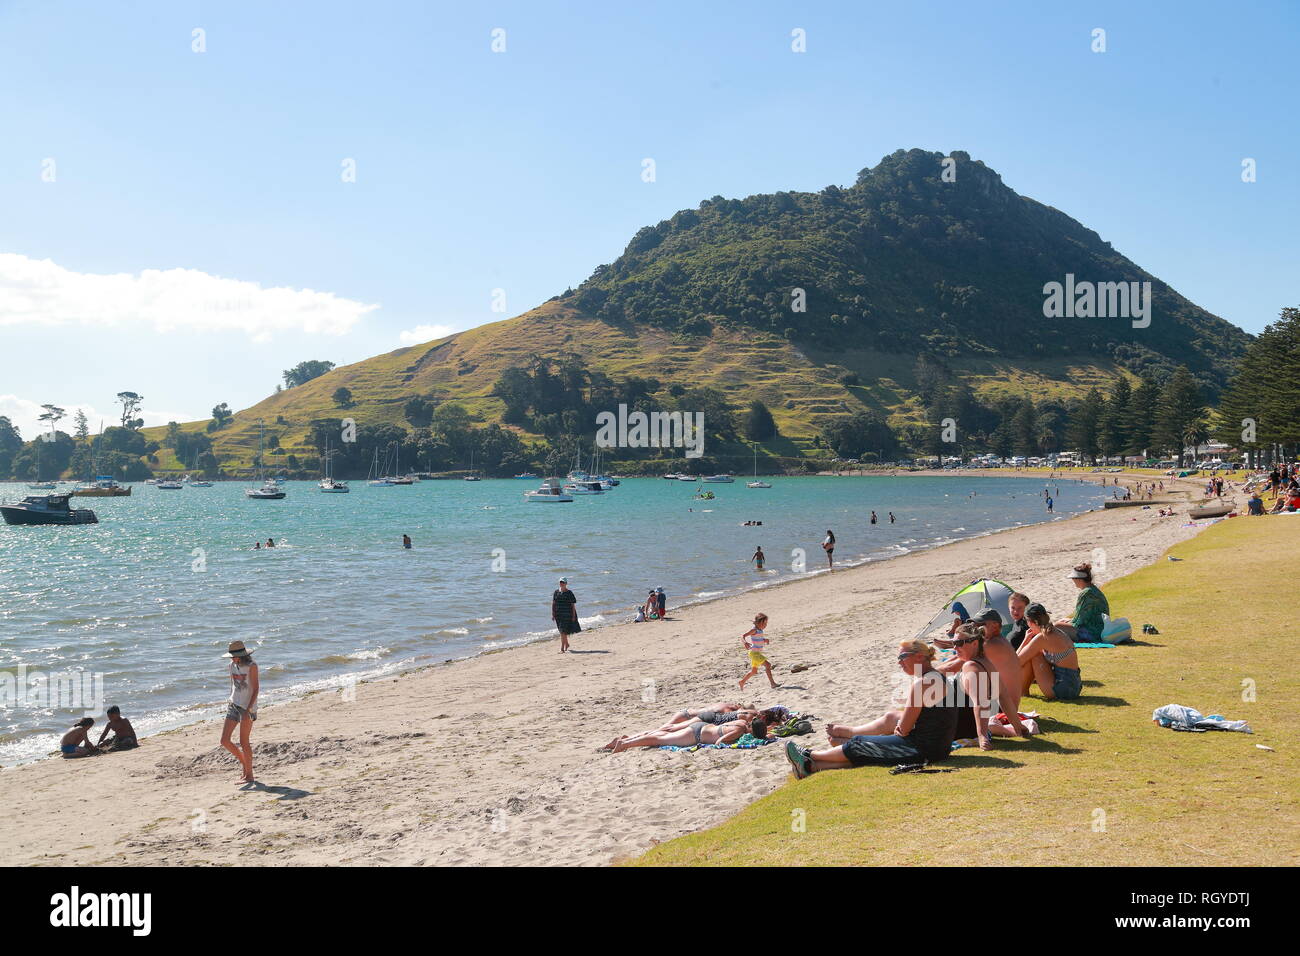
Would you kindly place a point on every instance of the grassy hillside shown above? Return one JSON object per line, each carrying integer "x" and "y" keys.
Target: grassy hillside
{"x": 800, "y": 386}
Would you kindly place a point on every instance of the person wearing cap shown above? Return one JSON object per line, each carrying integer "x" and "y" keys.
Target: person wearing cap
{"x": 564, "y": 612}
{"x": 997, "y": 650}
{"x": 1087, "y": 622}
{"x": 1048, "y": 658}
{"x": 241, "y": 710}
{"x": 651, "y": 606}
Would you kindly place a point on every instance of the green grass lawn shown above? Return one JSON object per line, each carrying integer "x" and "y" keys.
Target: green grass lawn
{"x": 1103, "y": 785}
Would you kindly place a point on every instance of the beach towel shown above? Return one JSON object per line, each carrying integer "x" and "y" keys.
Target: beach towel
{"x": 746, "y": 742}
{"x": 1178, "y": 717}
{"x": 1092, "y": 644}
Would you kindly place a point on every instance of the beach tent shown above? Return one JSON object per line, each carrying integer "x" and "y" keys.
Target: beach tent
{"x": 975, "y": 597}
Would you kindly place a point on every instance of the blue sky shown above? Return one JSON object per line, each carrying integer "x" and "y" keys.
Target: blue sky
{"x": 197, "y": 178}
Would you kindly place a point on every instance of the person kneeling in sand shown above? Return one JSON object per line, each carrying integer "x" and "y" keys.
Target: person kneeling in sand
{"x": 696, "y": 734}
{"x": 76, "y": 742}
{"x": 922, "y": 731}
{"x": 123, "y": 733}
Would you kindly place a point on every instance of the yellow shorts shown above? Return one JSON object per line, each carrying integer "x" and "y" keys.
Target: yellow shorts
{"x": 756, "y": 659}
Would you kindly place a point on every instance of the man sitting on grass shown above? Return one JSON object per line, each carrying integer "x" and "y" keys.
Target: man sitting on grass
{"x": 999, "y": 652}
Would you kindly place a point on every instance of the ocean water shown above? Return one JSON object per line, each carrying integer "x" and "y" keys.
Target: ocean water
{"x": 146, "y": 601}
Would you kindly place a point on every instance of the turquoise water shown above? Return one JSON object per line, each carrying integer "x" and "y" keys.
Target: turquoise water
{"x": 149, "y": 597}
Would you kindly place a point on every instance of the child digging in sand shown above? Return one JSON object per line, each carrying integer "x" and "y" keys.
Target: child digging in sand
{"x": 75, "y": 742}
{"x": 756, "y": 642}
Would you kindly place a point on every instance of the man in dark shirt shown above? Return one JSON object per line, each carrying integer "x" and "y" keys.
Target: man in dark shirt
{"x": 1019, "y": 626}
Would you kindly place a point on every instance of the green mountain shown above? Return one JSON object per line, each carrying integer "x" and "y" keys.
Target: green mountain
{"x": 902, "y": 264}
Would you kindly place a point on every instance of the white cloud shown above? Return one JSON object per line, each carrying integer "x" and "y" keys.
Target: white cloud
{"x": 40, "y": 292}
{"x": 25, "y": 414}
{"x": 424, "y": 333}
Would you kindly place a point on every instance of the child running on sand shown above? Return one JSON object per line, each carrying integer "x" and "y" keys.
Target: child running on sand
{"x": 756, "y": 642}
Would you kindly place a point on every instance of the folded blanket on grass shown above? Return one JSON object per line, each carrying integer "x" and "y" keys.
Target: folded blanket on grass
{"x": 1092, "y": 644}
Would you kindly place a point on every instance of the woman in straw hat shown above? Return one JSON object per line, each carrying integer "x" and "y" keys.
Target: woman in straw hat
{"x": 241, "y": 710}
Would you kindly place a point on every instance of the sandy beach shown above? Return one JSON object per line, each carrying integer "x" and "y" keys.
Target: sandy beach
{"x": 494, "y": 760}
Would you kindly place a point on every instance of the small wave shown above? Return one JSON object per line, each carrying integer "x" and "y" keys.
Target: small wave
{"x": 454, "y": 630}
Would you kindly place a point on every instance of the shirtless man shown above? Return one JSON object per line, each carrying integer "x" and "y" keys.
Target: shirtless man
{"x": 121, "y": 729}
{"x": 1000, "y": 653}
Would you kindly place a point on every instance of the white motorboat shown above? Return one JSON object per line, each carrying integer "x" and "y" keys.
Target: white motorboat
{"x": 718, "y": 479}
{"x": 196, "y": 482}
{"x": 169, "y": 484}
{"x": 549, "y": 493}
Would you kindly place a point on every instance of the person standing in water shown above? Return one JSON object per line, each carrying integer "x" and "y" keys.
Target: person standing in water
{"x": 891, "y": 517}
{"x": 873, "y": 517}
{"x": 758, "y": 557}
{"x": 241, "y": 710}
{"x": 406, "y": 542}
{"x": 828, "y": 545}
{"x": 564, "y": 612}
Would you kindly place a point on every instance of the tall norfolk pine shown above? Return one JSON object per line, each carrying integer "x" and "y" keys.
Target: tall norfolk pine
{"x": 1261, "y": 405}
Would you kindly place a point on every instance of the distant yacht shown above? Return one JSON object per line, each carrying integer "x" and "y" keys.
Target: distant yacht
{"x": 756, "y": 483}
{"x": 103, "y": 487}
{"x": 270, "y": 490}
{"x": 169, "y": 484}
{"x": 327, "y": 484}
{"x": 473, "y": 475}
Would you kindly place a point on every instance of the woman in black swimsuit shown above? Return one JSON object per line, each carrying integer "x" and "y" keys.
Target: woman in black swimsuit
{"x": 829, "y": 547}
{"x": 564, "y": 612}
{"x": 977, "y": 680}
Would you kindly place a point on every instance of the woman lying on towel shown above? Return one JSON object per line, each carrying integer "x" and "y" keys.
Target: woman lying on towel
{"x": 696, "y": 734}
{"x": 1048, "y": 657}
{"x": 923, "y": 731}
{"x": 706, "y": 714}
